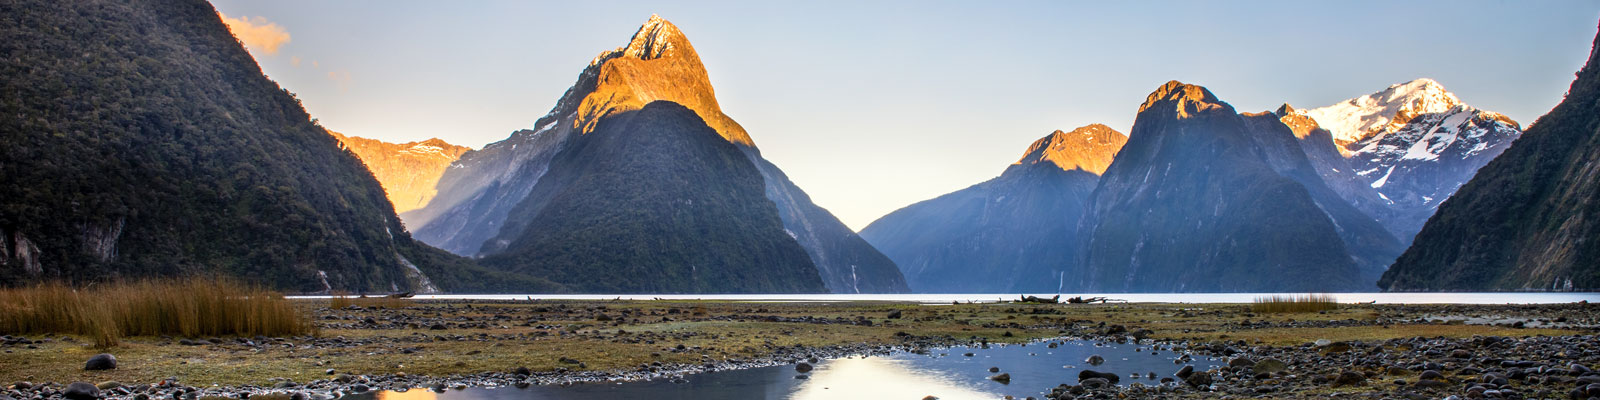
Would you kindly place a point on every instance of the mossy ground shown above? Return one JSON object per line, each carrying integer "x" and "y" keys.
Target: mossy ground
{"x": 501, "y": 336}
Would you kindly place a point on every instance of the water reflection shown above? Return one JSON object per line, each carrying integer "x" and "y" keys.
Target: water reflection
{"x": 947, "y": 374}
{"x": 408, "y": 395}
{"x": 879, "y": 378}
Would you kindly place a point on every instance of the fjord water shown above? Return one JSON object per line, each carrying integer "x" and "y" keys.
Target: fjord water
{"x": 1195, "y": 298}
{"x": 945, "y": 373}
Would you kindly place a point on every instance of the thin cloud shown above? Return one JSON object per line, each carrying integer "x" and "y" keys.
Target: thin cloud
{"x": 341, "y": 78}
{"x": 257, "y": 33}
{"x": 294, "y": 60}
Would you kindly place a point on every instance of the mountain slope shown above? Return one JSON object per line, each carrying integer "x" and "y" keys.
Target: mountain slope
{"x": 1016, "y": 233}
{"x": 143, "y": 141}
{"x": 478, "y": 192}
{"x": 408, "y": 171}
{"x": 628, "y": 209}
{"x": 1527, "y": 220}
{"x": 1373, "y": 246}
{"x": 1190, "y": 203}
{"x": 1414, "y": 143}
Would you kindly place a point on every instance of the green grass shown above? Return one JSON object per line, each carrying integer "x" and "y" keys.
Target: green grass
{"x": 1294, "y": 304}
{"x": 191, "y": 307}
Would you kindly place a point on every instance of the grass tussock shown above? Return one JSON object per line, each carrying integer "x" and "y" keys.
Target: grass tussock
{"x": 1297, "y": 303}
{"x": 191, "y": 307}
{"x": 342, "y": 300}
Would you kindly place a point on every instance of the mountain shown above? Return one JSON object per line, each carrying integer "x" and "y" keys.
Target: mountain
{"x": 408, "y": 171}
{"x": 1528, "y": 219}
{"x": 1414, "y": 143}
{"x": 1372, "y": 246}
{"x": 480, "y": 192}
{"x": 1016, "y": 233}
{"x": 653, "y": 201}
{"x": 142, "y": 141}
{"x": 1192, "y": 203}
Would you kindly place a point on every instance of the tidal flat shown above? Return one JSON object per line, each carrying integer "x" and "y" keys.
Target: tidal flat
{"x": 360, "y": 345}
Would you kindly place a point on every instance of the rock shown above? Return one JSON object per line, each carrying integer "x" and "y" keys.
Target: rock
{"x": 1397, "y": 371}
{"x": 1240, "y": 362}
{"x": 1116, "y": 330}
{"x": 272, "y": 396}
{"x": 1141, "y": 334}
{"x": 1201, "y": 379}
{"x": 1004, "y": 378}
{"x": 101, "y": 362}
{"x": 802, "y": 368}
{"x": 359, "y": 388}
{"x": 1095, "y": 360}
{"x": 81, "y": 391}
{"x": 108, "y": 385}
{"x": 929, "y": 398}
{"x": 896, "y": 314}
{"x": 1429, "y": 383}
{"x": 1183, "y": 373}
{"x": 437, "y": 327}
{"x": 1461, "y": 353}
{"x": 1349, "y": 378}
{"x": 1431, "y": 375}
{"x": 1335, "y": 347}
{"x": 1270, "y": 366}
{"x": 1095, "y": 383}
{"x": 1090, "y": 374}
{"x": 522, "y": 371}
{"x": 994, "y": 369}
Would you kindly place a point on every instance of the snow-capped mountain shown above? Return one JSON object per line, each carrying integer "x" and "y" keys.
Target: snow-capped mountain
{"x": 408, "y": 171}
{"x": 1528, "y": 220}
{"x": 1414, "y": 143}
{"x": 1383, "y": 112}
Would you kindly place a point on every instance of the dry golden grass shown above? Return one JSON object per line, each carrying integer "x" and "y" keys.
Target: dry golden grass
{"x": 191, "y": 307}
{"x": 342, "y": 300}
{"x": 1290, "y": 304}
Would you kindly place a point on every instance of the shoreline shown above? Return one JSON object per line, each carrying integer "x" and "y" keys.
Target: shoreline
{"x": 433, "y": 344}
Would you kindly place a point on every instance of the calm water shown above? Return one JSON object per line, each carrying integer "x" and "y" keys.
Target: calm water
{"x": 948, "y": 374}
{"x": 1388, "y": 298}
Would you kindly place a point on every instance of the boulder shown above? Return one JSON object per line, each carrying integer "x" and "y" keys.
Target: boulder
{"x": 81, "y": 391}
{"x": 101, "y": 362}
{"x": 1091, "y": 374}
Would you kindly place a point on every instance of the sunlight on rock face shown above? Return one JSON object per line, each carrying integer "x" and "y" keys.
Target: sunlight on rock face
{"x": 879, "y": 378}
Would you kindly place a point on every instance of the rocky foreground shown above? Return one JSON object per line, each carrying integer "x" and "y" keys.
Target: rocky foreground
{"x": 1356, "y": 351}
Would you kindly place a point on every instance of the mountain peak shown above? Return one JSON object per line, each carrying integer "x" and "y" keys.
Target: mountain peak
{"x": 1286, "y": 110}
{"x": 1297, "y": 121}
{"x": 1385, "y": 111}
{"x": 657, "y": 38}
{"x": 1089, "y": 148}
{"x": 1184, "y": 99}
{"x": 658, "y": 63}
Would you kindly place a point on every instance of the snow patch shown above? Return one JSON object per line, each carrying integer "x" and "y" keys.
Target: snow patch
{"x": 1384, "y": 180}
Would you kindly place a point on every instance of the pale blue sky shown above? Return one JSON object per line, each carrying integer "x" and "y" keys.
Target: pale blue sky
{"x": 872, "y": 105}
